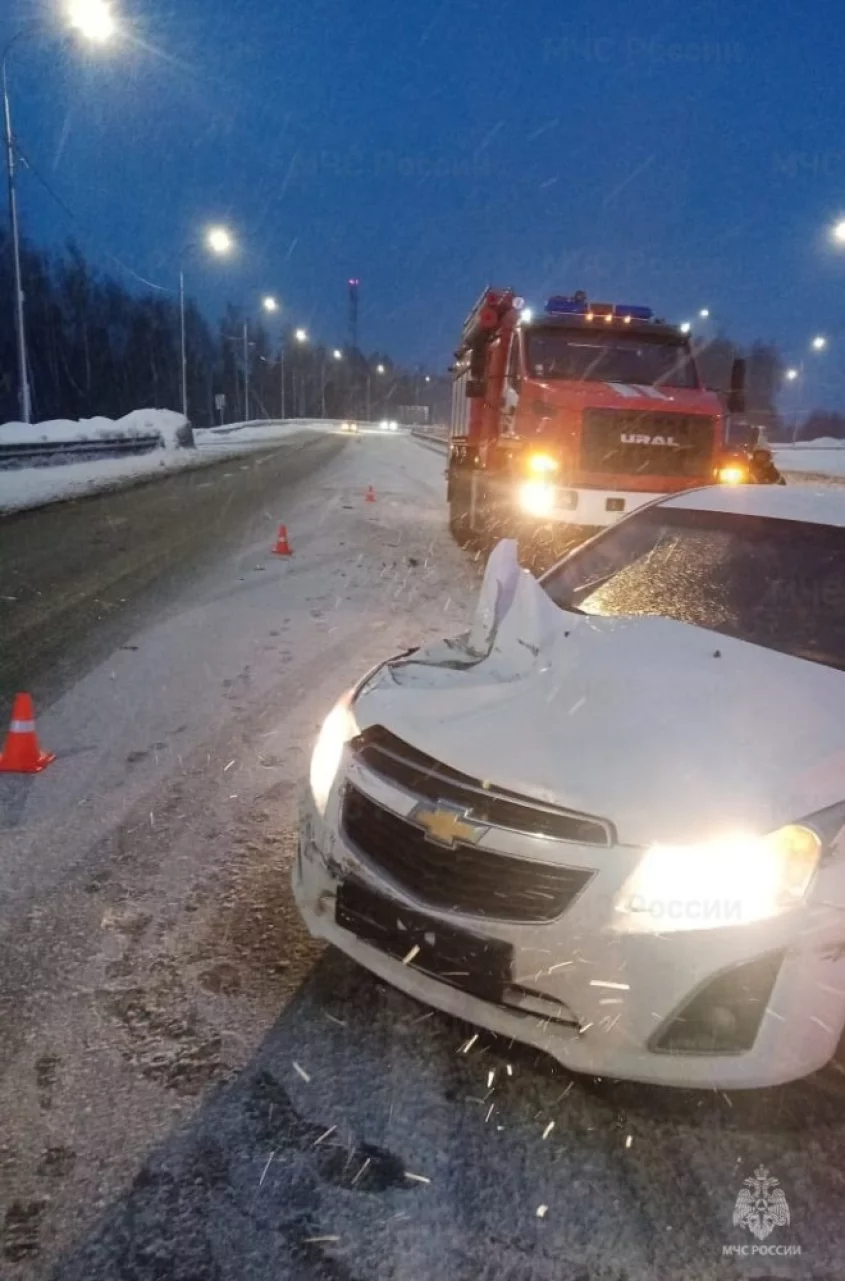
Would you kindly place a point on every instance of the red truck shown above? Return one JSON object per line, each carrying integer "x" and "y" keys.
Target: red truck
{"x": 565, "y": 421}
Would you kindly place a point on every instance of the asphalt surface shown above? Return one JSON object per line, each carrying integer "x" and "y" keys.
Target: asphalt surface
{"x": 193, "y": 1090}
{"x": 77, "y": 577}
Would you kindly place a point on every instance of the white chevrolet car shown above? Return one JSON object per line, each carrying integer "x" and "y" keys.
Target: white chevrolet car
{"x": 610, "y": 820}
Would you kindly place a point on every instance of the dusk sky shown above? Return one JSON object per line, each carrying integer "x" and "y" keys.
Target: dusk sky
{"x": 647, "y": 153}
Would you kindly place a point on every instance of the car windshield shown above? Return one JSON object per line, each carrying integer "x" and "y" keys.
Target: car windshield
{"x": 611, "y": 358}
{"x": 776, "y": 583}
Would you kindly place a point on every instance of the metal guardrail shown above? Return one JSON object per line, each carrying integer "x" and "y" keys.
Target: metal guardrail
{"x": 437, "y": 437}
{"x": 51, "y": 453}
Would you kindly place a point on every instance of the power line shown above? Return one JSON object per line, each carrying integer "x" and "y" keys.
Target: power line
{"x": 68, "y": 212}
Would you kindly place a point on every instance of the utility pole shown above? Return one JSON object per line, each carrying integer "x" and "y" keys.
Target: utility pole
{"x": 24, "y": 397}
{"x": 354, "y": 295}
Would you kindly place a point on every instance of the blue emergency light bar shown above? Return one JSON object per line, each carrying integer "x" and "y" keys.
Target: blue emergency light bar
{"x": 559, "y": 305}
{"x": 636, "y": 313}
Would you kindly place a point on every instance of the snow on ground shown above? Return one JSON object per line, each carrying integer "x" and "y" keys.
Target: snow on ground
{"x": 823, "y": 457}
{"x": 366, "y": 580}
{"x": 242, "y": 437}
{"x": 35, "y": 486}
{"x": 354, "y": 1139}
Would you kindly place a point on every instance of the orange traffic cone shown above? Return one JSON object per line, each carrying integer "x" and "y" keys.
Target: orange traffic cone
{"x": 21, "y": 754}
{"x": 283, "y": 547}
{"x": 371, "y": 495}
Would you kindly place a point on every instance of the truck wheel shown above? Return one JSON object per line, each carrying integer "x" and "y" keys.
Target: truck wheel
{"x": 459, "y": 513}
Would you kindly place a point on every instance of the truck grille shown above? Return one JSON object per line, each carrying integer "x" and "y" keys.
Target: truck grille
{"x": 431, "y": 780}
{"x": 463, "y": 878}
{"x": 642, "y": 443}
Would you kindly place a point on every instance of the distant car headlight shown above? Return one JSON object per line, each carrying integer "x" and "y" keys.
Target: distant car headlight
{"x": 384, "y": 425}
{"x": 733, "y": 880}
{"x": 337, "y": 730}
{"x": 536, "y": 498}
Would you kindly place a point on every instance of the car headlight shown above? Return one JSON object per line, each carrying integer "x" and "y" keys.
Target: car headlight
{"x": 734, "y": 880}
{"x": 337, "y": 730}
{"x": 536, "y": 498}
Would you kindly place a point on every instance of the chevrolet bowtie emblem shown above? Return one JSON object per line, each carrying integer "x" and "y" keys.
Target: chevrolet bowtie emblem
{"x": 446, "y": 825}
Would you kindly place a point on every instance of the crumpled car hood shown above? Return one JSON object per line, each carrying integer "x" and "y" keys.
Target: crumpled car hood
{"x": 671, "y": 732}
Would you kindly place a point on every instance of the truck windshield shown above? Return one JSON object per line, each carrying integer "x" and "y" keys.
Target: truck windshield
{"x": 609, "y": 358}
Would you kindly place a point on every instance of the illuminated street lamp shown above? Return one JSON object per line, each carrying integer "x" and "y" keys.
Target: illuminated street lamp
{"x": 270, "y": 304}
{"x": 792, "y": 375}
{"x": 93, "y": 20}
{"x": 217, "y": 241}
{"x": 705, "y": 313}
{"x": 301, "y": 335}
{"x": 380, "y": 369}
{"x": 686, "y": 327}
{"x": 337, "y": 354}
{"x": 819, "y": 343}
{"x": 837, "y": 232}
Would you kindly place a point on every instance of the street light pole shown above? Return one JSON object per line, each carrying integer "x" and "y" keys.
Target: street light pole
{"x": 246, "y": 371}
{"x": 184, "y": 347}
{"x": 217, "y": 241}
{"x": 93, "y": 20}
{"x": 282, "y": 377}
{"x": 24, "y": 398}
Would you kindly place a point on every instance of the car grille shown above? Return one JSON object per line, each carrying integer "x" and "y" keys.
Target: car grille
{"x": 461, "y": 878}
{"x": 609, "y": 444}
{"x": 483, "y": 802}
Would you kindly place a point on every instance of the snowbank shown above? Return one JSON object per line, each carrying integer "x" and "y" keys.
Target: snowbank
{"x": 36, "y": 486}
{"x": 258, "y": 434}
{"x": 141, "y": 422}
{"x": 822, "y": 457}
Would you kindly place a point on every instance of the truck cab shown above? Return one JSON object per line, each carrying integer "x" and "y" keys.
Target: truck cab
{"x": 575, "y": 417}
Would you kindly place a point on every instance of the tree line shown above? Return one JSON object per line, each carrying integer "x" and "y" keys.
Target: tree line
{"x": 98, "y": 348}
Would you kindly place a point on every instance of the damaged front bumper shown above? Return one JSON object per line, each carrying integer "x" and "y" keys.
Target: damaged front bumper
{"x": 732, "y": 1007}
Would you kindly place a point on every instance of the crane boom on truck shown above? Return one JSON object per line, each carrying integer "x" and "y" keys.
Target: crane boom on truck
{"x": 566, "y": 421}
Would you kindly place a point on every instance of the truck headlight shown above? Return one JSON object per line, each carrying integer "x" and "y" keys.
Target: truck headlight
{"x": 733, "y": 474}
{"x": 536, "y": 498}
{"x": 337, "y": 730}
{"x": 542, "y": 464}
{"x": 730, "y": 881}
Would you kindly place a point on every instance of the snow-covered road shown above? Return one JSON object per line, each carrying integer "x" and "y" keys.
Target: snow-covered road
{"x": 150, "y": 952}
